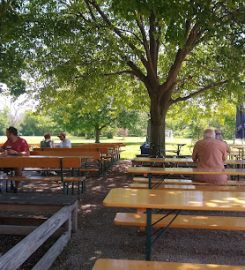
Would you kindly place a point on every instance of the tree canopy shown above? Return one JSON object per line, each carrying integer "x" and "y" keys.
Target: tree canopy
{"x": 171, "y": 51}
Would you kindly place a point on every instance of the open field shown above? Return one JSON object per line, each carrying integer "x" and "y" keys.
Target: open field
{"x": 132, "y": 143}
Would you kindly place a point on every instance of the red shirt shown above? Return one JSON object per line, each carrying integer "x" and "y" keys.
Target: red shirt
{"x": 20, "y": 145}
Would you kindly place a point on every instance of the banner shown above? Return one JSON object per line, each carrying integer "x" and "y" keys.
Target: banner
{"x": 240, "y": 121}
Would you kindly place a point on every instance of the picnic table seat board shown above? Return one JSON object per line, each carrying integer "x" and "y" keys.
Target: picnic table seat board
{"x": 91, "y": 161}
{"x": 116, "y": 264}
{"x": 42, "y": 162}
{"x": 183, "y": 171}
{"x": 181, "y": 181}
{"x": 189, "y": 187}
{"x": 177, "y": 161}
{"x": 183, "y": 221}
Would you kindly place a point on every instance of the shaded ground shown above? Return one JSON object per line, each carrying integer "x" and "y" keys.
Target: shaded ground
{"x": 98, "y": 237}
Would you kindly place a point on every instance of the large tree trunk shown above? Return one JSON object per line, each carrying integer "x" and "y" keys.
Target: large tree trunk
{"x": 158, "y": 118}
{"x": 97, "y": 135}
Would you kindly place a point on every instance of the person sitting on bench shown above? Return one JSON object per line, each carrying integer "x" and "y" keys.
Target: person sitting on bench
{"x": 15, "y": 146}
{"x": 47, "y": 142}
{"x": 210, "y": 153}
{"x": 64, "y": 142}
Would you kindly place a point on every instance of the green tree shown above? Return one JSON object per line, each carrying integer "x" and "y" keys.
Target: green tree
{"x": 35, "y": 124}
{"x": 12, "y": 44}
{"x": 175, "y": 49}
{"x": 4, "y": 123}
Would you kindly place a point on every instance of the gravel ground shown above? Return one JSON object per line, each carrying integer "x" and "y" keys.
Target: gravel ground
{"x": 98, "y": 237}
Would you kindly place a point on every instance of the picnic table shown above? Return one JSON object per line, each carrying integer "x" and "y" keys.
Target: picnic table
{"x": 173, "y": 201}
{"x": 150, "y": 171}
{"x": 177, "y": 161}
{"x": 177, "y": 151}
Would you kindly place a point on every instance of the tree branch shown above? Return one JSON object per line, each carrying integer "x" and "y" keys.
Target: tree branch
{"x": 118, "y": 32}
{"x": 198, "y": 92}
{"x": 119, "y": 73}
{"x": 181, "y": 54}
{"x": 90, "y": 10}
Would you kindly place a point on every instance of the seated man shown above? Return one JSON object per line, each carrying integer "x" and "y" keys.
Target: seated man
{"x": 47, "y": 142}
{"x": 64, "y": 142}
{"x": 210, "y": 153}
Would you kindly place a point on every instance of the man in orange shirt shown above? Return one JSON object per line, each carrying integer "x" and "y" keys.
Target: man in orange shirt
{"x": 210, "y": 154}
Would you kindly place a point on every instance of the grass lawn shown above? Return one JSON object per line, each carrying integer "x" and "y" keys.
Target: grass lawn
{"x": 132, "y": 143}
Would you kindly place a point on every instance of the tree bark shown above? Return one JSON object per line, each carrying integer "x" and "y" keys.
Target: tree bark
{"x": 97, "y": 135}
{"x": 158, "y": 118}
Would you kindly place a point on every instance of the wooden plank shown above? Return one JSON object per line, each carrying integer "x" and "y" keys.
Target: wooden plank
{"x": 143, "y": 160}
{"x": 37, "y": 199}
{"x": 113, "y": 264}
{"x": 34, "y": 240}
{"x": 39, "y": 162}
{"x": 189, "y": 187}
{"x": 21, "y": 220}
{"x": 50, "y": 256}
{"x": 16, "y": 229}
{"x": 184, "y": 171}
{"x": 179, "y": 200}
{"x": 183, "y": 221}
{"x": 30, "y": 208}
{"x": 184, "y": 181}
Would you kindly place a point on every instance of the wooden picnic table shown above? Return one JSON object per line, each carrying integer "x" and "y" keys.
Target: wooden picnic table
{"x": 184, "y": 171}
{"x": 150, "y": 171}
{"x": 173, "y": 200}
{"x": 177, "y": 161}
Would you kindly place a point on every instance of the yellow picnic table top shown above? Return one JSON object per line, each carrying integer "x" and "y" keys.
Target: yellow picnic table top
{"x": 112, "y": 264}
{"x": 184, "y": 171}
{"x": 176, "y": 200}
{"x": 179, "y": 161}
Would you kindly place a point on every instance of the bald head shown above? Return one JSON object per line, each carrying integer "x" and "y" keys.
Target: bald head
{"x": 209, "y": 134}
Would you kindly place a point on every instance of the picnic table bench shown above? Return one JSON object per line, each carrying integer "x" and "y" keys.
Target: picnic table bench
{"x": 59, "y": 164}
{"x": 175, "y": 202}
{"x": 91, "y": 159}
{"x": 114, "y": 264}
{"x": 164, "y": 172}
{"x": 177, "y": 161}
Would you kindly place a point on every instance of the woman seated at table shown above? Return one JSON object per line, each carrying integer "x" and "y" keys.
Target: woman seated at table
{"x": 210, "y": 154}
{"x": 15, "y": 146}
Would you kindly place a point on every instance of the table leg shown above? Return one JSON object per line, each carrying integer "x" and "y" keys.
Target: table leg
{"x": 150, "y": 181}
{"x": 148, "y": 234}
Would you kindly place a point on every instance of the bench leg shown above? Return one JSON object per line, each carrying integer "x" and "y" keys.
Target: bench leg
{"x": 148, "y": 234}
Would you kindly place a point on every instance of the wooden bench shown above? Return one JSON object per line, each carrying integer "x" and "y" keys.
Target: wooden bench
{"x": 61, "y": 220}
{"x": 114, "y": 264}
{"x": 155, "y": 180}
{"x": 190, "y": 187}
{"x": 183, "y": 221}
{"x": 91, "y": 161}
{"x": 55, "y": 163}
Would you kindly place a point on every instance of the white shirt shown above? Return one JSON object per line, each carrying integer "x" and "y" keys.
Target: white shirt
{"x": 65, "y": 143}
